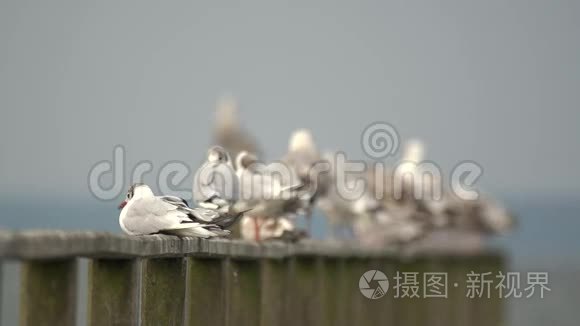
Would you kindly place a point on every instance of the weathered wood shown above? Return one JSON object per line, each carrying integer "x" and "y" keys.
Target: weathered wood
{"x": 65, "y": 244}
{"x": 335, "y": 292}
{"x": 163, "y": 292}
{"x": 274, "y": 289}
{"x": 388, "y": 311}
{"x": 353, "y": 298}
{"x": 237, "y": 282}
{"x": 487, "y": 309}
{"x": 243, "y": 283}
{"x": 113, "y": 292}
{"x": 291, "y": 304}
{"x": 48, "y": 293}
{"x": 1, "y": 282}
{"x": 438, "y": 309}
{"x": 373, "y": 308}
{"x": 206, "y": 292}
{"x": 460, "y": 313}
{"x": 308, "y": 291}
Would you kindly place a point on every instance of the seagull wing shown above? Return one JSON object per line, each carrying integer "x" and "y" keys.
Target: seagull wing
{"x": 215, "y": 180}
{"x": 154, "y": 214}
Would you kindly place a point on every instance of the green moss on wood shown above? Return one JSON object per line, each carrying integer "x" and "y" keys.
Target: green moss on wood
{"x": 48, "y": 293}
{"x": 112, "y": 292}
{"x": 206, "y": 292}
{"x": 244, "y": 293}
{"x": 163, "y": 292}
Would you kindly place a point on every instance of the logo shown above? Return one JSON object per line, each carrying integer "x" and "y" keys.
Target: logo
{"x": 373, "y": 284}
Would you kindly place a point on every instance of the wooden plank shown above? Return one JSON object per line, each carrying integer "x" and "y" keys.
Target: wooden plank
{"x": 388, "y": 302}
{"x": 291, "y": 304}
{"x": 353, "y": 298}
{"x": 488, "y": 309}
{"x": 48, "y": 244}
{"x": 335, "y": 289}
{"x": 308, "y": 291}
{"x": 274, "y": 291}
{"x": 48, "y": 293}
{"x": 1, "y": 283}
{"x": 113, "y": 292}
{"x": 373, "y": 309}
{"x": 438, "y": 310}
{"x": 460, "y": 313}
{"x": 163, "y": 292}
{"x": 206, "y": 292}
{"x": 243, "y": 285}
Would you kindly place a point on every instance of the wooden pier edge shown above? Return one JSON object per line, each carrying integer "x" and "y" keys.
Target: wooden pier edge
{"x": 154, "y": 280}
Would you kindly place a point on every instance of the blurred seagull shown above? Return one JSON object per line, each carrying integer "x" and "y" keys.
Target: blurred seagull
{"x": 271, "y": 229}
{"x": 262, "y": 190}
{"x": 228, "y": 133}
{"x": 482, "y": 216}
{"x": 305, "y": 160}
{"x": 216, "y": 181}
{"x": 144, "y": 213}
{"x": 341, "y": 212}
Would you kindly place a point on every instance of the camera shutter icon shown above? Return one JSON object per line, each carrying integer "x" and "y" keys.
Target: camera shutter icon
{"x": 373, "y": 284}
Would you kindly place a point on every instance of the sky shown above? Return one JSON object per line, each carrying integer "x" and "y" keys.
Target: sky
{"x": 496, "y": 82}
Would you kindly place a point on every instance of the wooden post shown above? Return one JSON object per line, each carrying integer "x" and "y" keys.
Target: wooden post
{"x": 274, "y": 291}
{"x": 460, "y": 310}
{"x": 407, "y": 289}
{"x": 1, "y": 281}
{"x": 244, "y": 293}
{"x": 353, "y": 298}
{"x": 308, "y": 291}
{"x": 487, "y": 309}
{"x": 388, "y": 302}
{"x": 291, "y": 304}
{"x": 373, "y": 309}
{"x": 206, "y": 292}
{"x": 48, "y": 293}
{"x": 163, "y": 292}
{"x": 335, "y": 290}
{"x": 438, "y": 309}
{"x": 113, "y": 292}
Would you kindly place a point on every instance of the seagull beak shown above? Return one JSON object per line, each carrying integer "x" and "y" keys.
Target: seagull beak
{"x": 123, "y": 204}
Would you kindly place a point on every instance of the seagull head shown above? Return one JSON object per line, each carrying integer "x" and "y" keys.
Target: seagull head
{"x": 302, "y": 140}
{"x": 137, "y": 190}
{"x": 217, "y": 155}
{"x": 244, "y": 160}
{"x": 414, "y": 151}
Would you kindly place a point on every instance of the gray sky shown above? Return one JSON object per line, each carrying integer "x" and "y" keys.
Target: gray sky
{"x": 497, "y": 82}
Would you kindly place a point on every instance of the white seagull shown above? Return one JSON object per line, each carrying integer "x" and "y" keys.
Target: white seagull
{"x": 306, "y": 161}
{"x": 144, "y": 213}
{"x": 266, "y": 192}
{"x": 270, "y": 229}
{"x": 216, "y": 181}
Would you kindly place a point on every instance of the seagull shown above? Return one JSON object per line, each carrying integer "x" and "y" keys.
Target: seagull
{"x": 340, "y": 211}
{"x": 305, "y": 160}
{"x": 483, "y": 216}
{"x": 144, "y": 213}
{"x": 216, "y": 181}
{"x": 265, "y": 193}
{"x": 271, "y": 229}
{"x": 228, "y": 133}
